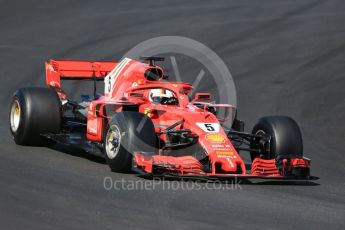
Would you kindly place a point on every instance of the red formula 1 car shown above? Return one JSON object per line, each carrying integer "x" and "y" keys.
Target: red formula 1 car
{"x": 149, "y": 124}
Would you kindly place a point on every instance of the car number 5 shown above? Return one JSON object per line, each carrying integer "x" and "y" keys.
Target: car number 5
{"x": 209, "y": 127}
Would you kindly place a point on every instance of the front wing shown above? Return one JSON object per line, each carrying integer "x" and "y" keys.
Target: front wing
{"x": 190, "y": 167}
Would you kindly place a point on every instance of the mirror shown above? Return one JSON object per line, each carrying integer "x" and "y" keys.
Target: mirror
{"x": 202, "y": 97}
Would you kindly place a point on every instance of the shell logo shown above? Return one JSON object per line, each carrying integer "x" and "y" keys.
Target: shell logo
{"x": 215, "y": 138}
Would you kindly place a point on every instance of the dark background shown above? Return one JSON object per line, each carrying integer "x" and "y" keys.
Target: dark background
{"x": 287, "y": 57}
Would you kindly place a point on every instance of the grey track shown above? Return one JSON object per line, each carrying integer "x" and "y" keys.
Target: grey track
{"x": 287, "y": 57}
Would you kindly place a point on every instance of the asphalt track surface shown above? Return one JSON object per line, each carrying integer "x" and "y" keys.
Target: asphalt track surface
{"x": 287, "y": 57}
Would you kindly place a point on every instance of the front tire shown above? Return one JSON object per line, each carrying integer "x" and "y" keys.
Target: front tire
{"x": 34, "y": 111}
{"x": 286, "y": 137}
{"x": 126, "y": 133}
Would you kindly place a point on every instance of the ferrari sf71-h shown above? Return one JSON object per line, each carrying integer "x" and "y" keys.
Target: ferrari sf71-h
{"x": 145, "y": 123}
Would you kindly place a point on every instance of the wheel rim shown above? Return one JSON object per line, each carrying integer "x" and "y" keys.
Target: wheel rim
{"x": 113, "y": 142}
{"x": 15, "y": 116}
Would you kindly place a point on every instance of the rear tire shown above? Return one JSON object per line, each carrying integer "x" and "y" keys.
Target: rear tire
{"x": 126, "y": 133}
{"x": 34, "y": 111}
{"x": 286, "y": 138}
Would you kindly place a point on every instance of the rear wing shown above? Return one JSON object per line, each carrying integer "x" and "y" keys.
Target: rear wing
{"x": 57, "y": 70}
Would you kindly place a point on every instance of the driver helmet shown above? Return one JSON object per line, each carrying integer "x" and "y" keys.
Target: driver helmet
{"x": 158, "y": 95}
